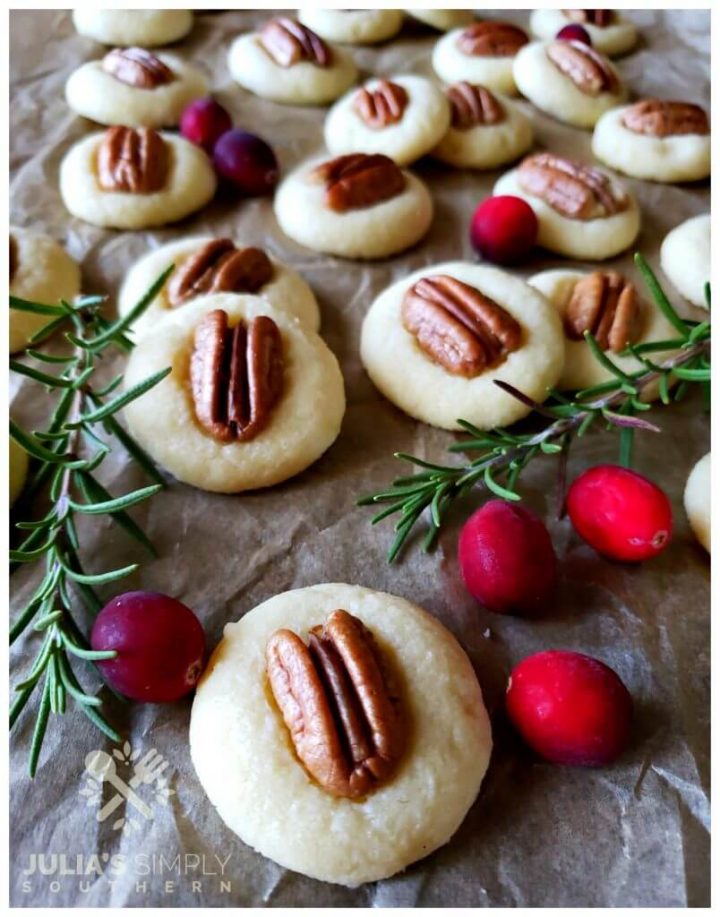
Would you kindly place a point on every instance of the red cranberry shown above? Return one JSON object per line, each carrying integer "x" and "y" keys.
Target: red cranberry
{"x": 620, "y": 513}
{"x": 504, "y": 229}
{"x": 160, "y": 646}
{"x": 570, "y": 708}
{"x": 203, "y": 122}
{"x": 574, "y": 32}
{"x": 246, "y": 162}
{"x": 507, "y": 558}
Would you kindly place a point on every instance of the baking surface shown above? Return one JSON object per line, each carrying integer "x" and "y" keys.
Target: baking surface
{"x": 635, "y": 833}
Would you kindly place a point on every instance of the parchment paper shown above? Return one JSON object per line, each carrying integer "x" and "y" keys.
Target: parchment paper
{"x": 635, "y": 833}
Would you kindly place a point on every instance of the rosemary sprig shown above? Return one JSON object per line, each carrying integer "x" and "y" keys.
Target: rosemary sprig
{"x": 503, "y": 455}
{"x": 67, "y": 454}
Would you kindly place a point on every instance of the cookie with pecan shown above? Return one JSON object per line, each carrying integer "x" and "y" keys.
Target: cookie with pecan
{"x": 611, "y": 33}
{"x": 480, "y": 53}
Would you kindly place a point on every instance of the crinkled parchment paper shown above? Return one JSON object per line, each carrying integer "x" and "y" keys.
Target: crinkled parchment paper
{"x": 635, "y": 833}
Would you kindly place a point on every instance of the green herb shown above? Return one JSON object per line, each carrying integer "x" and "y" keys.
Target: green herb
{"x": 503, "y": 455}
{"x": 68, "y": 453}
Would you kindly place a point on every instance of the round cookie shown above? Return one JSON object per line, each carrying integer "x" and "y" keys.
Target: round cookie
{"x": 188, "y": 185}
{"x": 286, "y": 62}
{"x": 286, "y": 291}
{"x": 401, "y": 116}
{"x": 481, "y": 53}
{"x": 303, "y": 423}
{"x": 487, "y": 129}
{"x": 697, "y": 501}
{"x": 443, "y": 20}
{"x": 18, "y": 470}
{"x": 147, "y": 28}
{"x": 581, "y": 368}
{"x": 616, "y": 37}
{"x": 127, "y": 92}
{"x": 601, "y": 232}
{"x": 352, "y": 27}
{"x": 40, "y": 271}
{"x": 685, "y": 258}
{"x": 365, "y": 231}
{"x": 558, "y": 86}
{"x": 244, "y": 757}
{"x": 419, "y": 385}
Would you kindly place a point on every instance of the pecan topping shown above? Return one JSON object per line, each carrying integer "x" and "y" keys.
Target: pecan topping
{"x": 382, "y": 105}
{"x": 137, "y": 67}
{"x": 605, "y": 304}
{"x": 473, "y": 105}
{"x": 491, "y": 39}
{"x": 459, "y": 327}
{"x": 219, "y": 267}
{"x": 13, "y": 262}
{"x": 575, "y": 190}
{"x": 335, "y": 699}
{"x": 588, "y": 70}
{"x": 236, "y": 375}
{"x": 665, "y": 119}
{"x": 359, "y": 180}
{"x": 599, "y": 18}
{"x": 132, "y": 160}
{"x": 288, "y": 42}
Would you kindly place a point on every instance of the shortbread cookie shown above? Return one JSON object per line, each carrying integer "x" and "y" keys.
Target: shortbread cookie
{"x": 352, "y": 27}
{"x": 286, "y": 62}
{"x": 134, "y": 87}
{"x": 435, "y": 343}
{"x": 487, "y": 130}
{"x": 356, "y": 206}
{"x": 18, "y": 470}
{"x": 430, "y": 742}
{"x": 568, "y": 80}
{"x": 582, "y": 211}
{"x": 610, "y": 32}
{"x": 685, "y": 258}
{"x": 443, "y": 20}
{"x": 401, "y": 116}
{"x": 697, "y": 501}
{"x": 253, "y": 398}
{"x": 40, "y": 271}
{"x": 135, "y": 179}
{"x": 206, "y": 265}
{"x": 482, "y": 53}
{"x": 147, "y": 28}
{"x": 610, "y": 306}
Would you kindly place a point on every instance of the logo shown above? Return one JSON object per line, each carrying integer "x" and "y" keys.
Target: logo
{"x": 102, "y": 767}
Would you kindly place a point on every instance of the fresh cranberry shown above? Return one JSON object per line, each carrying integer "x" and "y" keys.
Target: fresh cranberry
{"x": 570, "y": 708}
{"x": 507, "y": 558}
{"x": 246, "y": 162}
{"x": 160, "y": 646}
{"x": 203, "y": 122}
{"x": 574, "y": 32}
{"x": 504, "y": 229}
{"x": 620, "y": 513}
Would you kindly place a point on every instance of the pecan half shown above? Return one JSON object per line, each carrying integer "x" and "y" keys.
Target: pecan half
{"x": 599, "y": 18}
{"x": 575, "y": 190}
{"x": 287, "y": 42}
{"x": 13, "y": 261}
{"x": 605, "y": 304}
{"x": 665, "y": 119}
{"x": 336, "y": 701}
{"x": 473, "y": 105}
{"x": 132, "y": 160}
{"x": 137, "y": 67}
{"x": 491, "y": 39}
{"x": 459, "y": 327}
{"x": 236, "y": 375}
{"x": 220, "y": 267}
{"x": 588, "y": 70}
{"x": 381, "y": 106}
{"x": 359, "y": 180}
